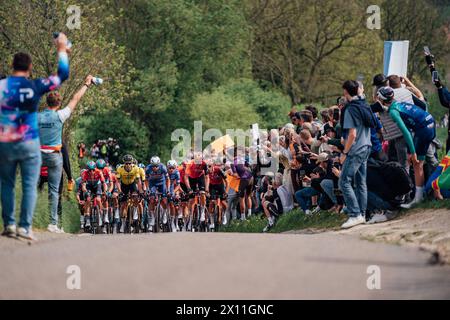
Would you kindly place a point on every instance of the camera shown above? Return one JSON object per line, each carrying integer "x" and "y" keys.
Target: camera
{"x": 336, "y": 114}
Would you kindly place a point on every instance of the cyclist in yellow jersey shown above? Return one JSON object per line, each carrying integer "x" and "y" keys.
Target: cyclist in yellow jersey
{"x": 129, "y": 178}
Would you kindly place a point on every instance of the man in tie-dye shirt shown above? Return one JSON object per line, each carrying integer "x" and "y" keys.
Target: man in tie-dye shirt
{"x": 19, "y": 135}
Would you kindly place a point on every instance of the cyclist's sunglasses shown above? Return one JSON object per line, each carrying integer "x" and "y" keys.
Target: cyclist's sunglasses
{"x": 171, "y": 168}
{"x": 127, "y": 164}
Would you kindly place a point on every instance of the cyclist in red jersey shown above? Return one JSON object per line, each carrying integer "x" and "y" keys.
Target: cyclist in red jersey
{"x": 92, "y": 180}
{"x": 107, "y": 193}
{"x": 216, "y": 186}
{"x": 196, "y": 177}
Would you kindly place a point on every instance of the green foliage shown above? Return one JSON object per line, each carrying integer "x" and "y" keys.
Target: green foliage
{"x": 271, "y": 105}
{"x": 132, "y": 136}
{"x": 223, "y": 111}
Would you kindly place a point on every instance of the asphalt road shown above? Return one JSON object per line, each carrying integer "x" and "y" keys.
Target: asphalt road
{"x": 217, "y": 266}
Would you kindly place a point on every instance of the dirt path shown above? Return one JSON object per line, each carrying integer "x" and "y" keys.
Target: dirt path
{"x": 217, "y": 266}
{"x": 426, "y": 229}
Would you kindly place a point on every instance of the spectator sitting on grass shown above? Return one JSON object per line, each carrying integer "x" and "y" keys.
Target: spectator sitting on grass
{"x": 277, "y": 201}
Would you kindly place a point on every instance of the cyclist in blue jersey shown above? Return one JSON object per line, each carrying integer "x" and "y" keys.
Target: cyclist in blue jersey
{"x": 157, "y": 180}
{"x": 19, "y": 135}
{"x": 411, "y": 119}
{"x": 174, "y": 189}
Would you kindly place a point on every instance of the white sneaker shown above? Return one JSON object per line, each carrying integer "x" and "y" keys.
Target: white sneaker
{"x": 315, "y": 210}
{"x": 411, "y": 204}
{"x": 26, "y": 234}
{"x": 224, "y": 220}
{"x": 88, "y": 222}
{"x": 377, "y": 217}
{"x": 54, "y": 228}
{"x": 10, "y": 231}
{"x": 308, "y": 212}
{"x": 353, "y": 221}
{"x": 212, "y": 226}
{"x": 202, "y": 216}
{"x": 174, "y": 229}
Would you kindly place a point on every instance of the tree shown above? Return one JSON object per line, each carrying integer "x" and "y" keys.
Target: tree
{"x": 27, "y": 25}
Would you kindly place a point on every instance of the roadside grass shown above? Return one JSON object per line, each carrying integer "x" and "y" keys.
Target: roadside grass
{"x": 324, "y": 220}
{"x": 293, "y": 220}
{"x": 70, "y": 219}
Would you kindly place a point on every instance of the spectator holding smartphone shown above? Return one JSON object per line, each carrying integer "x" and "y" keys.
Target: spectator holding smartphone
{"x": 444, "y": 94}
{"x": 19, "y": 138}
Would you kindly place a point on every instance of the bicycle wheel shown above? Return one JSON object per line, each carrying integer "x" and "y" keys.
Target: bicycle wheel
{"x": 94, "y": 220}
{"x": 156, "y": 219}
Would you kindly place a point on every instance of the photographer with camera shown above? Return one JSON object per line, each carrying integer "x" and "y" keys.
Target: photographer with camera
{"x": 277, "y": 200}
{"x": 306, "y": 195}
{"x": 444, "y": 94}
{"x": 329, "y": 184}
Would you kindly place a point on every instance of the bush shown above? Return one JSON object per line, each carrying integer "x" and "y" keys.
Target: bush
{"x": 132, "y": 136}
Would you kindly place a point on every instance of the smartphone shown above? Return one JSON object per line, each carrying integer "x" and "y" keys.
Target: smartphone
{"x": 434, "y": 76}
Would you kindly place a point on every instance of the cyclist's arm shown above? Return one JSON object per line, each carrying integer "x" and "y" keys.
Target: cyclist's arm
{"x": 167, "y": 182}
{"x": 207, "y": 182}
{"x": 186, "y": 182}
{"x": 395, "y": 115}
{"x": 139, "y": 183}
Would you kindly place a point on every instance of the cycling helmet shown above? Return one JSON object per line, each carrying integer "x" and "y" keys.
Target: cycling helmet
{"x": 154, "y": 161}
{"x": 386, "y": 94}
{"x": 171, "y": 164}
{"x": 141, "y": 165}
{"x": 100, "y": 163}
{"x": 90, "y": 165}
{"x": 127, "y": 158}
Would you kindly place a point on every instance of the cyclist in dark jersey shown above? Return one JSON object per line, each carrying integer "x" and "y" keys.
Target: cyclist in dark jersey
{"x": 241, "y": 169}
{"x": 157, "y": 179}
{"x": 174, "y": 188}
{"x": 216, "y": 186}
{"x": 411, "y": 119}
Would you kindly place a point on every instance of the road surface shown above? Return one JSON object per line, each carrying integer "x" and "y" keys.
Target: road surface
{"x": 217, "y": 266}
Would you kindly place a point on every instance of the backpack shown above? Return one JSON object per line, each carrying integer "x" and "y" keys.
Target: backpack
{"x": 388, "y": 179}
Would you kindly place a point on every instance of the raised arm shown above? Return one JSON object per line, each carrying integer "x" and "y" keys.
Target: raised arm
{"x": 80, "y": 93}
{"x": 53, "y": 82}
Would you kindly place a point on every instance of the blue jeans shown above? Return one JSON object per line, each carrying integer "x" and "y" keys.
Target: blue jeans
{"x": 352, "y": 182}
{"x": 232, "y": 201}
{"x": 54, "y": 162}
{"x": 374, "y": 202}
{"x": 27, "y": 156}
{"x": 304, "y": 195}
{"x": 328, "y": 187}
